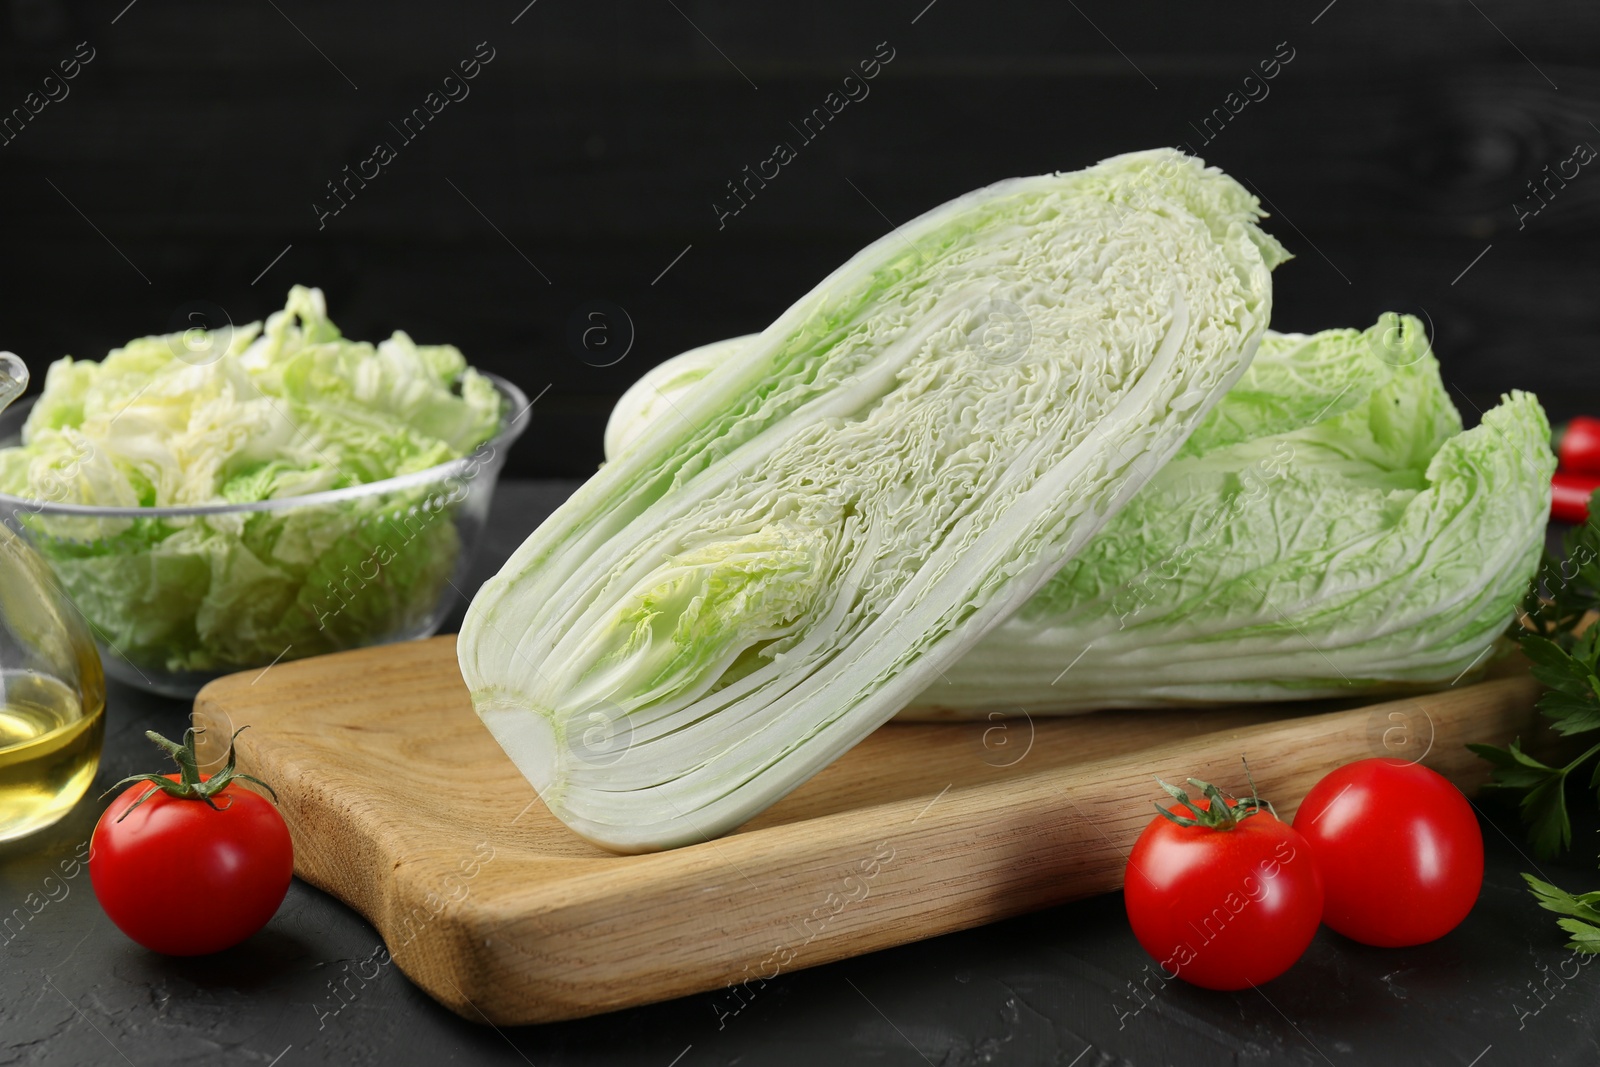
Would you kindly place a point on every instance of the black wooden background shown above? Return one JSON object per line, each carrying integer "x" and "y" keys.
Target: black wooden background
{"x": 1395, "y": 147}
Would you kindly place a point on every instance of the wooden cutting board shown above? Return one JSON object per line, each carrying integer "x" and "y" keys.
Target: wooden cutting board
{"x": 402, "y": 805}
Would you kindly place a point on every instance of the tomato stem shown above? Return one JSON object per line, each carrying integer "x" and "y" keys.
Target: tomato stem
{"x": 1218, "y": 814}
{"x": 189, "y": 786}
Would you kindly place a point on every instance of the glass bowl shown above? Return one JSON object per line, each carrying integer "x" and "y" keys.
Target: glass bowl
{"x": 178, "y": 596}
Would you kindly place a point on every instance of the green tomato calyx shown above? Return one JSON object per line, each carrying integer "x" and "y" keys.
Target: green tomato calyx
{"x": 189, "y": 786}
{"x": 1217, "y": 814}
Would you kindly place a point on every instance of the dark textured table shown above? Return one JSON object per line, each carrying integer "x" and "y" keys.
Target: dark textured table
{"x": 1066, "y": 986}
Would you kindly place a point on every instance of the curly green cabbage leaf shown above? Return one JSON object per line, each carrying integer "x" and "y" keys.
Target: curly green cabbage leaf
{"x": 234, "y": 416}
{"x": 846, "y": 505}
{"x": 1328, "y": 530}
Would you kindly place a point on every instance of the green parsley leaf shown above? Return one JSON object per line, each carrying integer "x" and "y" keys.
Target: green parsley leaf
{"x": 1544, "y": 801}
{"x": 1566, "y": 659}
{"x": 1582, "y": 911}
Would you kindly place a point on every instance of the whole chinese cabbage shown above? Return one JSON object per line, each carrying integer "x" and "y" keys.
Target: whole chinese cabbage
{"x": 234, "y": 416}
{"x": 846, "y": 505}
{"x": 1327, "y": 530}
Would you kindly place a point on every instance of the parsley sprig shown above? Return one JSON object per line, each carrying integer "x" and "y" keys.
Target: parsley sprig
{"x": 1565, "y": 658}
{"x": 1582, "y": 911}
{"x": 1571, "y": 706}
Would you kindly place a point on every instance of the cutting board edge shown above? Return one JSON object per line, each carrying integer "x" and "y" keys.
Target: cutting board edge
{"x": 450, "y": 965}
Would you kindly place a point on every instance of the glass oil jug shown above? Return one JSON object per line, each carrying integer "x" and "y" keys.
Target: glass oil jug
{"x": 52, "y": 692}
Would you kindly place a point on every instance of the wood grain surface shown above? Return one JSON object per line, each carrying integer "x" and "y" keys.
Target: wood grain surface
{"x": 402, "y": 805}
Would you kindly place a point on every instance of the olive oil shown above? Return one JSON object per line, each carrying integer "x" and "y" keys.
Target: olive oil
{"x": 49, "y": 750}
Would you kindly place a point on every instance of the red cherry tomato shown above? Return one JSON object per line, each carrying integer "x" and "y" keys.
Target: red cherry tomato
{"x": 186, "y": 879}
{"x": 1223, "y": 908}
{"x": 1400, "y": 851}
{"x": 1579, "y": 446}
{"x": 1569, "y": 495}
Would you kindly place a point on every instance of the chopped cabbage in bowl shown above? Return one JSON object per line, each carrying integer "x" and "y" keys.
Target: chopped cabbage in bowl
{"x": 275, "y": 491}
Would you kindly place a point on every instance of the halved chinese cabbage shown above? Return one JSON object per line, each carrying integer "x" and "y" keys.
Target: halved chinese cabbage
{"x": 1327, "y": 530}
{"x": 846, "y": 505}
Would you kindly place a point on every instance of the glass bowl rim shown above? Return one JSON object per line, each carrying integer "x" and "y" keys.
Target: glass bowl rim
{"x": 513, "y": 427}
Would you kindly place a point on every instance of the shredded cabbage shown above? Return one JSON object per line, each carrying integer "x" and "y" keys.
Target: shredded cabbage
{"x": 230, "y": 417}
{"x": 846, "y": 505}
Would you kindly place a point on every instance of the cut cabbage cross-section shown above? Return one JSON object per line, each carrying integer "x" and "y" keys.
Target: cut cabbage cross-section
{"x": 841, "y": 509}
